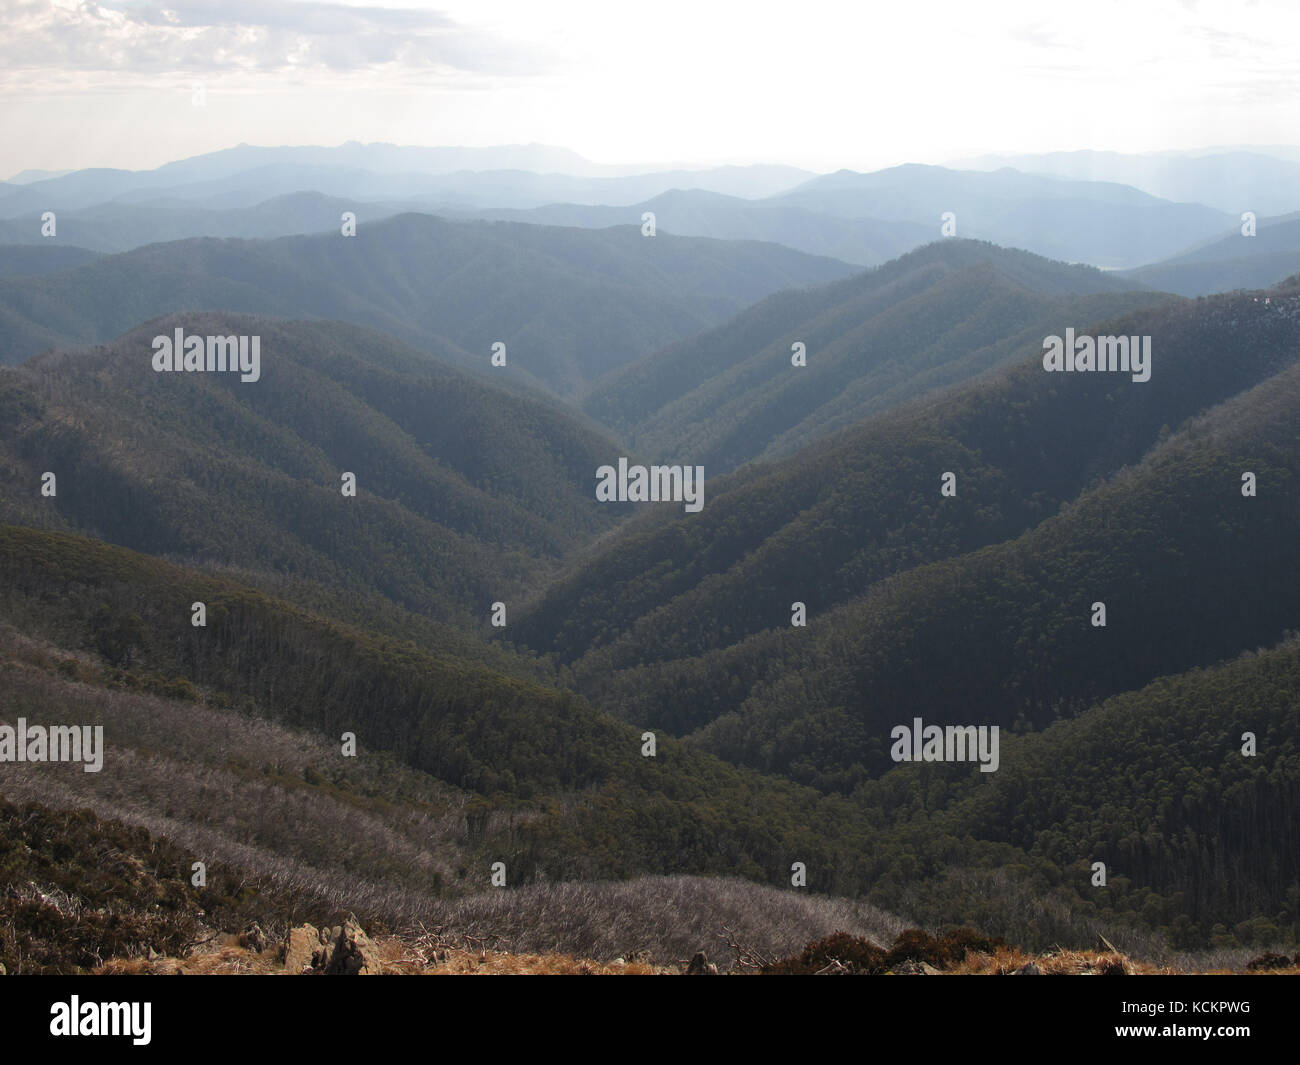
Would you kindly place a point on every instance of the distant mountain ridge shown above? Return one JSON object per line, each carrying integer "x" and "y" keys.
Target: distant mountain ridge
{"x": 871, "y": 217}
{"x": 1235, "y": 261}
{"x": 508, "y": 175}
{"x": 120, "y": 226}
{"x": 1232, "y": 180}
{"x": 702, "y": 213}
{"x": 569, "y": 304}
{"x": 1103, "y": 223}
{"x": 862, "y": 218}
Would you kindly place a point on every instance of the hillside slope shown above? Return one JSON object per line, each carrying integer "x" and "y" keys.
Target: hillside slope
{"x": 1005, "y": 635}
{"x": 844, "y": 514}
{"x": 931, "y": 318}
{"x": 464, "y": 491}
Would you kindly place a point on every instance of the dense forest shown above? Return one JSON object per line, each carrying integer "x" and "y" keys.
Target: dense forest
{"x": 827, "y": 525}
{"x": 937, "y": 316}
{"x": 460, "y": 767}
{"x": 328, "y": 615}
{"x": 464, "y": 490}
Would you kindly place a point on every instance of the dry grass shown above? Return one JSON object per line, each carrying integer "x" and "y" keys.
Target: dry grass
{"x": 424, "y": 956}
{"x": 1087, "y": 963}
{"x": 399, "y": 959}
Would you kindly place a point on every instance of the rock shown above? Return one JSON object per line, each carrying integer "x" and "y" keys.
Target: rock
{"x": 916, "y": 968}
{"x": 700, "y": 966}
{"x": 1028, "y": 970}
{"x": 329, "y": 937}
{"x": 299, "y": 947}
{"x": 353, "y": 954}
{"x": 253, "y": 938}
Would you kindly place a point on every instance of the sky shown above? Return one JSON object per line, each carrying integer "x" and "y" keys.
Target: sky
{"x": 821, "y": 85}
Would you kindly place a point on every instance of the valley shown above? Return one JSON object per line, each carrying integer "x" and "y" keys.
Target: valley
{"x": 593, "y": 491}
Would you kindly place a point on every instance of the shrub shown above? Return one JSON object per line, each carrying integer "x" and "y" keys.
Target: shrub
{"x": 1270, "y": 960}
{"x": 859, "y": 956}
{"x": 863, "y": 958}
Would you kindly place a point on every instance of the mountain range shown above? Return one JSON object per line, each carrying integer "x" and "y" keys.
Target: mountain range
{"x": 568, "y": 304}
{"x": 1109, "y": 210}
{"x": 907, "y": 517}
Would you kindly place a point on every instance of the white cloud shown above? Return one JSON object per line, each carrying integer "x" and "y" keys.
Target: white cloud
{"x": 822, "y": 83}
{"x": 251, "y": 36}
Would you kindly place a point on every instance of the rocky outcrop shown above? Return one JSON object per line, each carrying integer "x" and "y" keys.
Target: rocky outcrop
{"x": 299, "y": 947}
{"x": 344, "y": 950}
{"x": 353, "y": 953}
{"x": 253, "y": 938}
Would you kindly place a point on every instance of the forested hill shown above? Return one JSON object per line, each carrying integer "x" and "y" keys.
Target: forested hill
{"x": 841, "y": 516}
{"x": 1186, "y": 566}
{"x": 550, "y": 785}
{"x": 1157, "y": 784}
{"x": 459, "y": 767}
{"x": 465, "y": 492}
{"x": 31, "y": 260}
{"x": 969, "y": 609}
{"x": 569, "y": 304}
{"x": 931, "y": 318}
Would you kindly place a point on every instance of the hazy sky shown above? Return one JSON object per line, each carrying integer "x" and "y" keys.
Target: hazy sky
{"x": 818, "y": 84}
